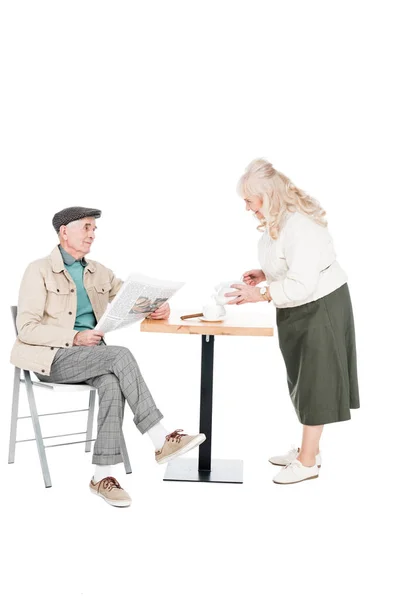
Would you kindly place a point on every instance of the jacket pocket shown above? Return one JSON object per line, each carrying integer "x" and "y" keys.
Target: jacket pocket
{"x": 57, "y": 298}
{"x": 103, "y": 288}
{"x": 102, "y": 294}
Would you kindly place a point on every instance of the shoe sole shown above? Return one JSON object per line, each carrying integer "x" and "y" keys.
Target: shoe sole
{"x": 199, "y": 439}
{"x": 281, "y": 465}
{"x": 291, "y": 482}
{"x": 111, "y": 503}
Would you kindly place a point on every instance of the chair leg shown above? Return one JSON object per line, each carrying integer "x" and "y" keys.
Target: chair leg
{"x": 14, "y": 415}
{"x": 125, "y": 456}
{"x": 37, "y": 429}
{"x": 89, "y": 429}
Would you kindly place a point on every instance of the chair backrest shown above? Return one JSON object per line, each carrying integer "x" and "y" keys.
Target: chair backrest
{"x": 14, "y": 317}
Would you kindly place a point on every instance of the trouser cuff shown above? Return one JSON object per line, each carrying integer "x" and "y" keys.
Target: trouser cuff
{"x": 104, "y": 459}
{"x": 148, "y": 422}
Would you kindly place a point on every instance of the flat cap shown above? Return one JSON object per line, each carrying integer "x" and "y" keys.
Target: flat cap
{"x": 74, "y": 213}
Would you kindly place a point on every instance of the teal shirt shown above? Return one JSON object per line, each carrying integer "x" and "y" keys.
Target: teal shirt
{"x": 85, "y": 318}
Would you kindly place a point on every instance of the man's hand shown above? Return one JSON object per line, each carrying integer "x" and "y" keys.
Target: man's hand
{"x": 89, "y": 337}
{"x": 161, "y": 313}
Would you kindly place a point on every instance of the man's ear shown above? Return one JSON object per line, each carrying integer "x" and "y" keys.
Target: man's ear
{"x": 63, "y": 231}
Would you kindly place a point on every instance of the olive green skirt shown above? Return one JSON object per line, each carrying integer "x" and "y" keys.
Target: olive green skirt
{"x": 318, "y": 345}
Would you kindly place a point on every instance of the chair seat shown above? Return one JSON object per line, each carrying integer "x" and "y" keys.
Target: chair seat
{"x": 65, "y": 387}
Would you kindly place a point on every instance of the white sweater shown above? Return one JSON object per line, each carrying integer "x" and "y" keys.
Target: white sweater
{"x": 300, "y": 266}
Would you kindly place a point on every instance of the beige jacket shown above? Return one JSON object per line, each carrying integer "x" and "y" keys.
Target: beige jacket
{"x": 47, "y": 308}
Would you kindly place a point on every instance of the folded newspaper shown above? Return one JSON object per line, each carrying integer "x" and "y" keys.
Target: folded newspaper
{"x": 138, "y": 297}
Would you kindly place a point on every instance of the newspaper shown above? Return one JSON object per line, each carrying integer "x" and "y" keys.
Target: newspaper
{"x": 138, "y": 297}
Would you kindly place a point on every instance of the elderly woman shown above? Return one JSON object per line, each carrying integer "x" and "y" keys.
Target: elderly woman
{"x": 313, "y": 307}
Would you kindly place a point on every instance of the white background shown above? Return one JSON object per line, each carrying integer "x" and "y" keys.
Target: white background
{"x": 151, "y": 111}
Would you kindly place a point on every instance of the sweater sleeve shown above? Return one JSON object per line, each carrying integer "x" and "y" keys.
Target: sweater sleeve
{"x": 302, "y": 245}
{"x": 31, "y": 303}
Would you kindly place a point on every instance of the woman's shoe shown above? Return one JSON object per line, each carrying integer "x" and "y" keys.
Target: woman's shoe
{"x": 295, "y": 472}
{"x": 285, "y": 459}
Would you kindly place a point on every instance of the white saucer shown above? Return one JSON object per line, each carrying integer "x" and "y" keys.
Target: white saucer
{"x": 210, "y": 320}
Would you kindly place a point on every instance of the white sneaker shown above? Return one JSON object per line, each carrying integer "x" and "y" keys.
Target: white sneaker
{"x": 295, "y": 472}
{"x": 285, "y": 459}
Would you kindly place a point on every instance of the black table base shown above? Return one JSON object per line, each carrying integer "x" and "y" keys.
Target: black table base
{"x": 222, "y": 471}
{"x": 205, "y": 468}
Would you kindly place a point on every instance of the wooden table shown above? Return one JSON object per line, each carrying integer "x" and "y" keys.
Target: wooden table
{"x": 208, "y": 468}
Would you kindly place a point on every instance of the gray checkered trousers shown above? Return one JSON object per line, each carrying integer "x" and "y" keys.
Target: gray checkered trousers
{"x": 115, "y": 373}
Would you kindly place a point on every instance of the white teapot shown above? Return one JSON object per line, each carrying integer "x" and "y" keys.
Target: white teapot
{"x": 225, "y": 288}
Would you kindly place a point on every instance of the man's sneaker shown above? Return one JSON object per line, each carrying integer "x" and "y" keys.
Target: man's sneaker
{"x": 295, "y": 472}
{"x": 285, "y": 459}
{"x": 110, "y": 490}
{"x": 177, "y": 444}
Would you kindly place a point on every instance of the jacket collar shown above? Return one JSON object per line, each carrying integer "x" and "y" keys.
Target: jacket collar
{"x": 57, "y": 263}
{"x": 70, "y": 260}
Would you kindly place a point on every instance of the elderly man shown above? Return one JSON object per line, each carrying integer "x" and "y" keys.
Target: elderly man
{"x": 61, "y": 299}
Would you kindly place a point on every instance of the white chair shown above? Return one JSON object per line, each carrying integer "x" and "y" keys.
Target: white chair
{"x": 55, "y": 387}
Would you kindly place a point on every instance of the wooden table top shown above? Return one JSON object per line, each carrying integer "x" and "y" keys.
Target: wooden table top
{"x": 249, "y": 324}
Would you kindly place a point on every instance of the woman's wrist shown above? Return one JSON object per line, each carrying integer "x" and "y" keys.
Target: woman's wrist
{"x": 265, "y": 295}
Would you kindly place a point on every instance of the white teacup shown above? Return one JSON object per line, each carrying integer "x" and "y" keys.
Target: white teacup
{"x": 225, "y": 288}
{"x": 213, "y": 312}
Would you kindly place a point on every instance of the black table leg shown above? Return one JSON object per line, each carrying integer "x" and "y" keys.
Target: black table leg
{"x": 206, "y": 398}
{"x": 206, "y": 468}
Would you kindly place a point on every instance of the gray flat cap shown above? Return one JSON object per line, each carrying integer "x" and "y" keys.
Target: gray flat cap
{"x": 74, "y": 213}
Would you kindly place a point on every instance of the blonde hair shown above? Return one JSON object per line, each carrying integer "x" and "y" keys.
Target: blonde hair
{"x": 279, "y": 196}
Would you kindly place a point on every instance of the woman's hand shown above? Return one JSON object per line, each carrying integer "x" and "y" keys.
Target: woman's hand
{"x": 161, "y": 313}
{"x": 253, "y": 277}
{"x": 244, "y": 294}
